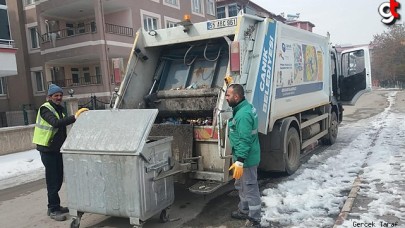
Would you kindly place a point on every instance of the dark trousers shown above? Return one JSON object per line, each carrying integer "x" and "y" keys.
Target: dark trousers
{"x": 54, "y": 177}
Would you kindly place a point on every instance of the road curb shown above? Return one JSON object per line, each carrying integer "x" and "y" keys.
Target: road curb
{"x": 347, "y": 207}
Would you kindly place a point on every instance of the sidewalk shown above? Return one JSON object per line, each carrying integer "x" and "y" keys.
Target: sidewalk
{"x": 377, "y": 198}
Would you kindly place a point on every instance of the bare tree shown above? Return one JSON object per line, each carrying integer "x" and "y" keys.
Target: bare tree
{"x": 388, "y": 56}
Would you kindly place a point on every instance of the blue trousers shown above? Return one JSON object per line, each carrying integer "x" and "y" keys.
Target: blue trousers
{"x": 54, "y": 177}
{"x": 249, "y": 193}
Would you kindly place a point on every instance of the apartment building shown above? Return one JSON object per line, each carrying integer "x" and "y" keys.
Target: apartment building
{"x": 8, "y": 66}
{"x": 231, "y": 8}
{"x": 82, "y": 45}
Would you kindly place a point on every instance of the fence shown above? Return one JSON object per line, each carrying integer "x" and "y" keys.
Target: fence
{"x": 79, "y": 81}
{"x": 95, "y": 103}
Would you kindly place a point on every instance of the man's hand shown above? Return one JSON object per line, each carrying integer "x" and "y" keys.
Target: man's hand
{"x": 80, "y": 112}
{"x": 237, "y": 169}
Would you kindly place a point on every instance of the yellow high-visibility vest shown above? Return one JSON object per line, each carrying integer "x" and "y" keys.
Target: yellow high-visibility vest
{"x": 43, "y": 131}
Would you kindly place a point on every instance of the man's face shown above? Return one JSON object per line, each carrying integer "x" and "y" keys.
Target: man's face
{"x": 56, "y": 98}
{"x": 231, "y": 97}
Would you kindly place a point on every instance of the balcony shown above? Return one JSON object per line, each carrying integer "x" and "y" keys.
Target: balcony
{"x": 87, "y": 29}
{"x": 82, "y": 81}
{"x": 119, "y": 30}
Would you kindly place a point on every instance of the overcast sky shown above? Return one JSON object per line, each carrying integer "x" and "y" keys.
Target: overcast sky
{"x": 348, "y": 21}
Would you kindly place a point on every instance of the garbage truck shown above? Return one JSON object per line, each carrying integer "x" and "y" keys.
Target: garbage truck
{"x": 295, "y": 79}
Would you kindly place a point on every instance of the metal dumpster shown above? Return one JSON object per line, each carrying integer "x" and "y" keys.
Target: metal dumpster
{"x": 110, "y": 164}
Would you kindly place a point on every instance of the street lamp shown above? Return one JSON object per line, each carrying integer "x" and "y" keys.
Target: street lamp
{"x": 71, "y": 92}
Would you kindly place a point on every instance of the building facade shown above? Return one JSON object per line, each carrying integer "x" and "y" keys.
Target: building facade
{"x": 231, "y": 8}
{"x": 8, "y": 66}
{"x": 82, "y": 45}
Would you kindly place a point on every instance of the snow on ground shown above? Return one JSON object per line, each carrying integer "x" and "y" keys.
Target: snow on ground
{"x": 384, "y": 173}
{"x": 20, "y": 168}
{"x": 314, "y": 196}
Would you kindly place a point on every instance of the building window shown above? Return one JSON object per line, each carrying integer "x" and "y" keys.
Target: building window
{"x": 80, "y": 27}
{"x": 4, "y": 25}
{"x": 75, "y": 75}
{"x": 171, "y": 2}
{"x": 3, "y": 87}
{"x": 150, "y": 23}
{"x": 29, "y": 2}
{"x": 70, "y": 29}
{"x": 93, "y": 26}
{"x": 233, "y": 10}
{"x": 86, "y": 74}
{"x": 98, "y": 74}
{"x": 171, "y": 24}
{"x": 221, "y": 12}
{"x": 197, "y": 7}
{"x": 34, "y": 37}
{"x": 39, "y": 81}
{"x": 211, "y": 7}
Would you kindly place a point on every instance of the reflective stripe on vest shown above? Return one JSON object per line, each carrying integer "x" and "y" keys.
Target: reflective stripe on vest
{"x": 44, "y": 132}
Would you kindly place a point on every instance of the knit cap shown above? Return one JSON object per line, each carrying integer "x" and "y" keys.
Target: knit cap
{"x": 54, "y": 89}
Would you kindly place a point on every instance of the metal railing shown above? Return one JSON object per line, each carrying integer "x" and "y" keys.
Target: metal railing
{"x": 82, "y": 81}
{"x": 86, "y": 29}
{"x": 119, "y": 30}
{"x": 6, "y": 43}
{"x": 70, "y": 32}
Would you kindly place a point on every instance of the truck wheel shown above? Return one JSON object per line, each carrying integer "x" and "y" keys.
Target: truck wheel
{"x": 292, "y": 151}
{"x": 330, "y": 138}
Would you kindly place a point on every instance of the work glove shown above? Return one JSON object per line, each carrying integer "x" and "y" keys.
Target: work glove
{"x": 237, "y": 169}
{"x": 228, "y": 80}
{"x": 77, "y": 114}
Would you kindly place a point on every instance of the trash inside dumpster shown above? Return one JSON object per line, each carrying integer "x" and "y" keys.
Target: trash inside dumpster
{"x": 110, "y": 162}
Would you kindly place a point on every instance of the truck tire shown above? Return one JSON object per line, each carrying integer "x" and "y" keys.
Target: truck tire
{"x": 330, "y": 138}
{"x": 292, "y": 151}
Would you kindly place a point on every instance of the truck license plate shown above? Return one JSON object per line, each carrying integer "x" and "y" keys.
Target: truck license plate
{"x": 222, "y": 23}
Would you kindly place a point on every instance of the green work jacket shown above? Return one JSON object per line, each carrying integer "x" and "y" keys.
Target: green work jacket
{"x": 243, "y": 134}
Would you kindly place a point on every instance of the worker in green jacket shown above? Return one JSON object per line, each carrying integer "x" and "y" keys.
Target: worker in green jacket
{"x": 244, "y": 139}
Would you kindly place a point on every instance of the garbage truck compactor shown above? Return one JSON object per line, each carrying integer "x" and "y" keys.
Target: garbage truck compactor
{"x": 296, "y": 81}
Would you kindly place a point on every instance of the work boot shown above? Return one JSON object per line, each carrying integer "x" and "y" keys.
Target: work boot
{"x": 63, "y": 210}
{"x": 57, "y": 216}
{"x": 239, "y": 215}
{"x": 252, "y": 223}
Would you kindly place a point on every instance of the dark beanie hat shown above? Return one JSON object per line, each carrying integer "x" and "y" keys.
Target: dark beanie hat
{"x": 54, "y": 89}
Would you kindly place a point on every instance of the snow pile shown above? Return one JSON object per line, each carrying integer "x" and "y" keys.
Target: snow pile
{"x": 314, "y": 196}
{"x": 19, "y": 168}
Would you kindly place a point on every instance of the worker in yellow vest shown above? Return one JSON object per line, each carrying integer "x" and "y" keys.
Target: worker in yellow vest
{"x": 49, "y": 135}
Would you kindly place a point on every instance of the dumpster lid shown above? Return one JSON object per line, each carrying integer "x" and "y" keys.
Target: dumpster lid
{"x": 122, "y": 131}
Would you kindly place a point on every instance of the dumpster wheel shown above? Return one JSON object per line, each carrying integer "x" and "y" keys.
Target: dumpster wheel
{"x": 75, "y": 223}
{"x": 76, "y": 220}
{"x": 164, "y": 216}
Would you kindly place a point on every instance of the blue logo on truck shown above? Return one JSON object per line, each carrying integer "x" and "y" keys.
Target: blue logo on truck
{"x": 262, "y": 95}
